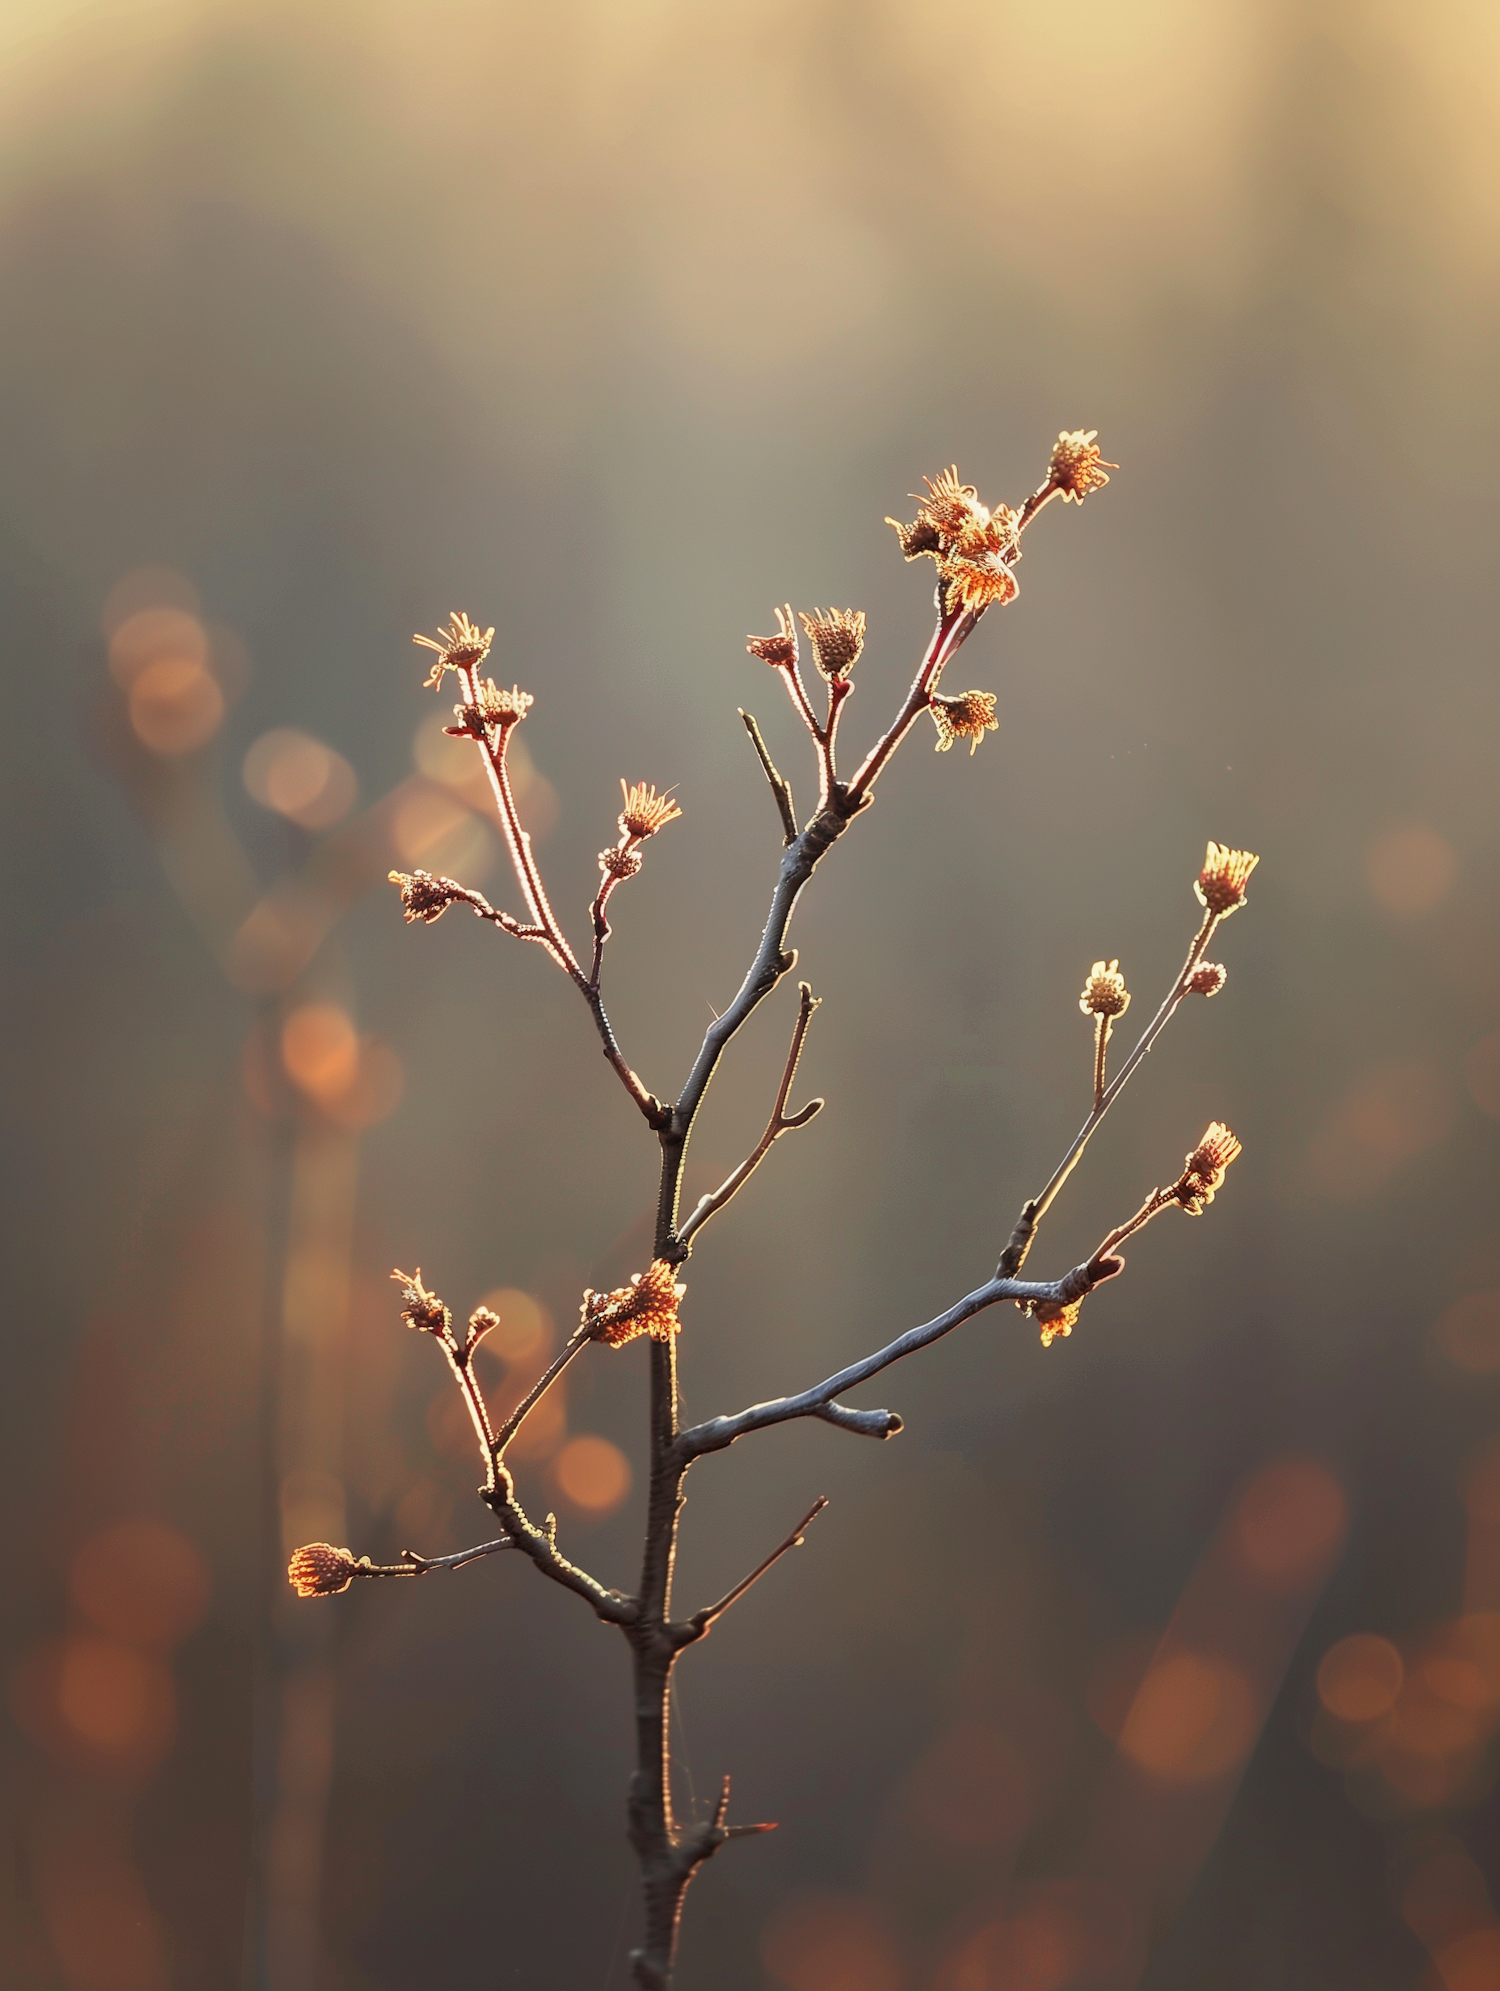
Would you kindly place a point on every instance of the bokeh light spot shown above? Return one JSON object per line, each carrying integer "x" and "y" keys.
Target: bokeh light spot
{"x": 592, "y": 1474}
{"x": 1289, "y": 1521}
{"x": 300, "y": 778}
{"x": 142, "y": 1581}
{"x": 831, "y": 1942}
{"x": 1193, "y": 1718}
{"x": 175, "y": 706}
{"x": 1411, "y": 870}
{"x": 1388, "y": 1117}
{"x": 147, "y": 588}
{"x": 320, "y": 1051}
{"x": 1469, "y": 1333}
{"x": 155, "y": 635}
{"x": 1472, "y": 1963}
{"x": 524, "y": 1329}
{"x": 1360, "y": 1677}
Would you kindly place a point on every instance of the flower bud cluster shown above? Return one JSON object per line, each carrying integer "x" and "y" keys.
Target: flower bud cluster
{"x": 1221, "y": 882}
{"x": 423, "y": 896}
{"x": 648, "y": 1305}
{"x": 321, "y": 1570}
{"x": 1105, "y": 993}
{"x": 1203, "y": 1174}
{"x": 974, "y": 548}
{"x": 969, "y": 716}
{"x": 420, "y": 1309}
{"x": 462, "y": 646}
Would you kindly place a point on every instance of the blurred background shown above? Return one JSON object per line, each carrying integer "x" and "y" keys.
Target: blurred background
{"x": 1169, "y": 1656}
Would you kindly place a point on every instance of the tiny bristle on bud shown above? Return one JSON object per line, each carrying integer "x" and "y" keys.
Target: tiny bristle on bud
{"x": 648, "y": 1305}
{"x": 420, "y": 1309}
{"x": 424, "y": 896}
{"x": 645, "y": 812}
{"x": 462, "y": 646}
{"x": 1105, "y": 993}
{"x": 1221, "y": 883}
{"x": 780, "y": 650}
{"x": 1203, "y": 1173}
{"x": 1207, "y": 978}
{"x": 321, "y": 1570}
{"x": 1077, "y": 467}
{"x": 969, "y": 717}
{"x": 837, "y": 636}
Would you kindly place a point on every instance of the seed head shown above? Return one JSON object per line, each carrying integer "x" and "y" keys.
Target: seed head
{"x": 1203, "y": 1175}
{"x": 1105, "y": 993}
{"x": 1077, "y": 466}
{"x": 648, "y": 1305}
{"x": 837, "y": 636}
{"x": 421, "y": 1309}
{"x": 979, "y": 583}
{"x": 492, "y": 707}
{"x": 462, "y": 646}
{"x": 645, "y": 812}
{"x": 423, "y": 896}
{"x": 1221, "y": 882}
{"x": 918, "y": 541}
{"x": 967, "y": 717}
{"x": 619, "y": 861}
{"x": 780, "y": 650}
{"x": 321, "y": 1570}
{"x": 1207, "y": 978}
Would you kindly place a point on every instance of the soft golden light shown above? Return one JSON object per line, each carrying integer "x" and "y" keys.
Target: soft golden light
{"x": 300, "y": 778}
{"x": 142, "y": 1581}
{"x": 593, "y": 1474}
{"x": 1193, "y": 1718}
{"x": 1411, "y": 870}
{"x": 1289, "y": 1521}
{"x": 1360, "y": 1677}
{"x": 320, "y": 1051}
{"x": 114, "y": 1698}
{"x": 175, "y": 706}
{"x": 525, "y": 1327}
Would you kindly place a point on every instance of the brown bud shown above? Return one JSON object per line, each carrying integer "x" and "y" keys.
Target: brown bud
{"x": 1221, "y": 883}
{"x": 321, "y": 1570}
{"x": 619, "y": 862}
{"x": 1207, "y": 979}
{"x": 422, "y": 1310}
{"x": 462, "y": 646}
{"x": 645, "y": 812}
{"x": 967, "y": 717}
{"x": 1077, "y": 466}
{"x": 780, "y": 650}
{"x": 423, "y": 896}
{"x": 648, "y": 1305}
{"x": 480, "y": 1322}
{"x": 837, "y": 636}
{"x": 1203, "y": 1174}
{"x": 1105, "y": 993}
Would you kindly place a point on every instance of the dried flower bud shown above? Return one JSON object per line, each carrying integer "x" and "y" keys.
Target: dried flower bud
{"x": 1207, "y": 978}
{"x": 620, "y": 862}
{"x": 421, "y": 1309}
{"x": 1221, "y": 882}
{"x": 462, "y": 646}
{"x": 645, "y": 812}
{"x": 423, "y": 896}
{"x": 837, "y": 636}
{"x": 918, "y": 541}
{"x": 480, "y": 1323}
{"x": 1203, "y": 1175}
{"x": 648, "y": 1305}
{"x": 492, "y": 707}
{"x": 978, "y": 583}
{"x": 780, "y": 650}
{"x": 1105, "y": 993}
{"x": 968, "y": 717}
{"x": 321, "y": 1570}
{"x": 1077, "y": 467}
{"x": 1056, "y": 1319}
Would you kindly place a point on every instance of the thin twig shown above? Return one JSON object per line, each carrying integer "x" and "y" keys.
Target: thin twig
{"x": 1102, "y": 1027}
{"x": 781, "y": 788}
{"x": 412, "y": 1564}
{"x": 699, "y": 1623}
{"x": 780, "y": 1122}
{"x": 537, "y": 1391}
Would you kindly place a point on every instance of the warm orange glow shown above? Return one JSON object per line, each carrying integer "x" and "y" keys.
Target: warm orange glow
{"x": 147, "y": 588}
{"x": 593, "y": 1474}
{"x": 300, "y": 778}
{"x": 151, "y": 635}
{"x": 1115, "y": 1679}
{"x": 109, "y": 1694}
{"x": 142, "y": 1581}
{"x": 425, "y": 821}
{"x": 1411, "y": 870}
{"x": 1193, "y": 1718}
{"x": 1469, "y": 1333}
{"x": 320, "y": 1051}
{"x": 1472, "y": 1963}
{"x": 972, "y": 1789}
{"x": 1360, "y": 1677}
{"x": 1389, "y": 1117}
{"x": 175, "y": 706}
{"x": 831, "y": 1942}
{"x": 375, "y": 1092}
{"x": 1289, "y": 1521}
{"x": 525, "y": 1326}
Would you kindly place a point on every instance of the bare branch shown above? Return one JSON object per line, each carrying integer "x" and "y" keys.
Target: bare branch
{"x": 781, "y": 788}
{"x": 697, "y": 1626}
{"x": 779, "y": 1123}
{"x": 412, "y": 1564}
{"x": 537, "y": 1391}
{"x": 540, "y": 1546}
